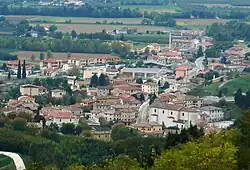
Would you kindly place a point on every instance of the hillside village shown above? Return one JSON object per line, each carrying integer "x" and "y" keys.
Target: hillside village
{"x": 152, "y": 95}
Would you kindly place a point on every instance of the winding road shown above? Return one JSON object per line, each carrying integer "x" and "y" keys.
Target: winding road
{"x": 16, "y": 158}
{"x": 143, "y": 112}
{"x": 199, "y": 64}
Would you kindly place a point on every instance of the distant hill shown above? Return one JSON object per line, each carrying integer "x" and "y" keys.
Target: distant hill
{"x": 6, "y": 163}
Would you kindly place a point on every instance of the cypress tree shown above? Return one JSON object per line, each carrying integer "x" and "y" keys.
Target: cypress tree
{"x": 19, "y": 70}
{"x": 9, "y": 75}
{"x": 24, "y": 70}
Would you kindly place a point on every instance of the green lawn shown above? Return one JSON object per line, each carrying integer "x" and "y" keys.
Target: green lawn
{"x": 6, "y": 163}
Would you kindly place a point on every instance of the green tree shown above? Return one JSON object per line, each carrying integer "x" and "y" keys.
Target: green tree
{"x": 73, "y": 34}
{"x": 9, "y": 75}
{"x": 49, "y": 54}
{"x": 244, "y": 144}
{"x": 74, "y": 71}
{"x": 122, "y": 162}
{"x": 211, "y": 52}
{"x": 166, "y": 85}
{"x": 4, "y": 66}
{"x": 121, "y": 132}
{"x": 77, "y": 167}
{"x": 68, "y": 128}
{"x": 94, "y": 81}
{"x": 152, "y": 97}
{"x": 199, "y": 52}
{"x": 142, "y": 97}
{"x": 68, "y": 55}
{"x": 238, "y": 98}
{"x": 102, "y": 81}
{"x": 24, "y": 70}
{"x": 215, "y": 152}
{"x": 19, "y": 124}
{"x": 139, "y": 81}
{"x": 19, "y": 70}
{"x": 52, "y": 28}
{"x": 41, "y": 56}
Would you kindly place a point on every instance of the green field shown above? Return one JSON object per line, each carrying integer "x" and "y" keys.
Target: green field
{"x": 91, "y": 28}
{"x": 231, "y": 86}
{"x": 157, "y": 8}
{"x": 6, "y": 163}
{"x": 148, "y": 38}
{"x": 240, "y": 82}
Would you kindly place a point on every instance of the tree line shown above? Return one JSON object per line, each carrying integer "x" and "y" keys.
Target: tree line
{"x": 229, "y": 31}
{"x": 202, "y": 11}
{"x": 6, "y": 56}
{"x": 114, "y": 11}
{"x": 49, "y": 148}
{"x": 64, "y": 45}
{"x": 88, "y": 10}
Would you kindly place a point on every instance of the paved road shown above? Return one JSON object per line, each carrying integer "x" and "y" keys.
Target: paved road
{"x": 143, "y": 112}
{"x": 199, "y": 64}
{"x": 16, "y": 158}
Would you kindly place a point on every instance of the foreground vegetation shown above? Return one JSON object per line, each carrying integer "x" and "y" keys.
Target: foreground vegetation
{"x": 6, "y": 163}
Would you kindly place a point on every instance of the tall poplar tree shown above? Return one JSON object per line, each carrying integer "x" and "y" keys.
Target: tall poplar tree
{"x": 24, "y": 70}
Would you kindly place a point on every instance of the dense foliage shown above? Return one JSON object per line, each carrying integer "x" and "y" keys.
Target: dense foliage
{"x": 6, "y": 56}
{"x": 229, "y": 31}
{"x": 87, "y": 10}
{"x": 63, "y": 45}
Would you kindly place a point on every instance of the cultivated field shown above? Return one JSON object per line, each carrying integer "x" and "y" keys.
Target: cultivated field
{"x": 199, "y": 22}
{"x": 53, "y": 19}
{"x": 91, "y": 28}
{"x": 27, "y": 55}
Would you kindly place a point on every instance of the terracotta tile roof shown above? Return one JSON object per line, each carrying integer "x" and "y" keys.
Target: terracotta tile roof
{"x": 93, "y": 57}
{"x": 173, "y": 54}
{"x": 206, "y": 44}
{"x": 126, "y": 87}
{"x": 56, "y": 113}
{"x": 183, "y": 68}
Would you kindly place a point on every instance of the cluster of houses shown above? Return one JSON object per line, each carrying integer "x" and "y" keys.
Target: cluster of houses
{"x": 121, "y": 101}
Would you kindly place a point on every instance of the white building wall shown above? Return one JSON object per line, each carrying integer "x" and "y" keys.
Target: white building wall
{"x": 168, "y": 116}
{"x": 60, "y": 121}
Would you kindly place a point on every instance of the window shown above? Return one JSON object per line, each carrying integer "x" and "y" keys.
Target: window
{"x": 60, "y": 120}
{"x": 182, "y": 114}
{"x": 70, "y": 120}
{"x": 155, "y": 110}
{"x": 171, "y": 113}
{"x": 163, "y": 112}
